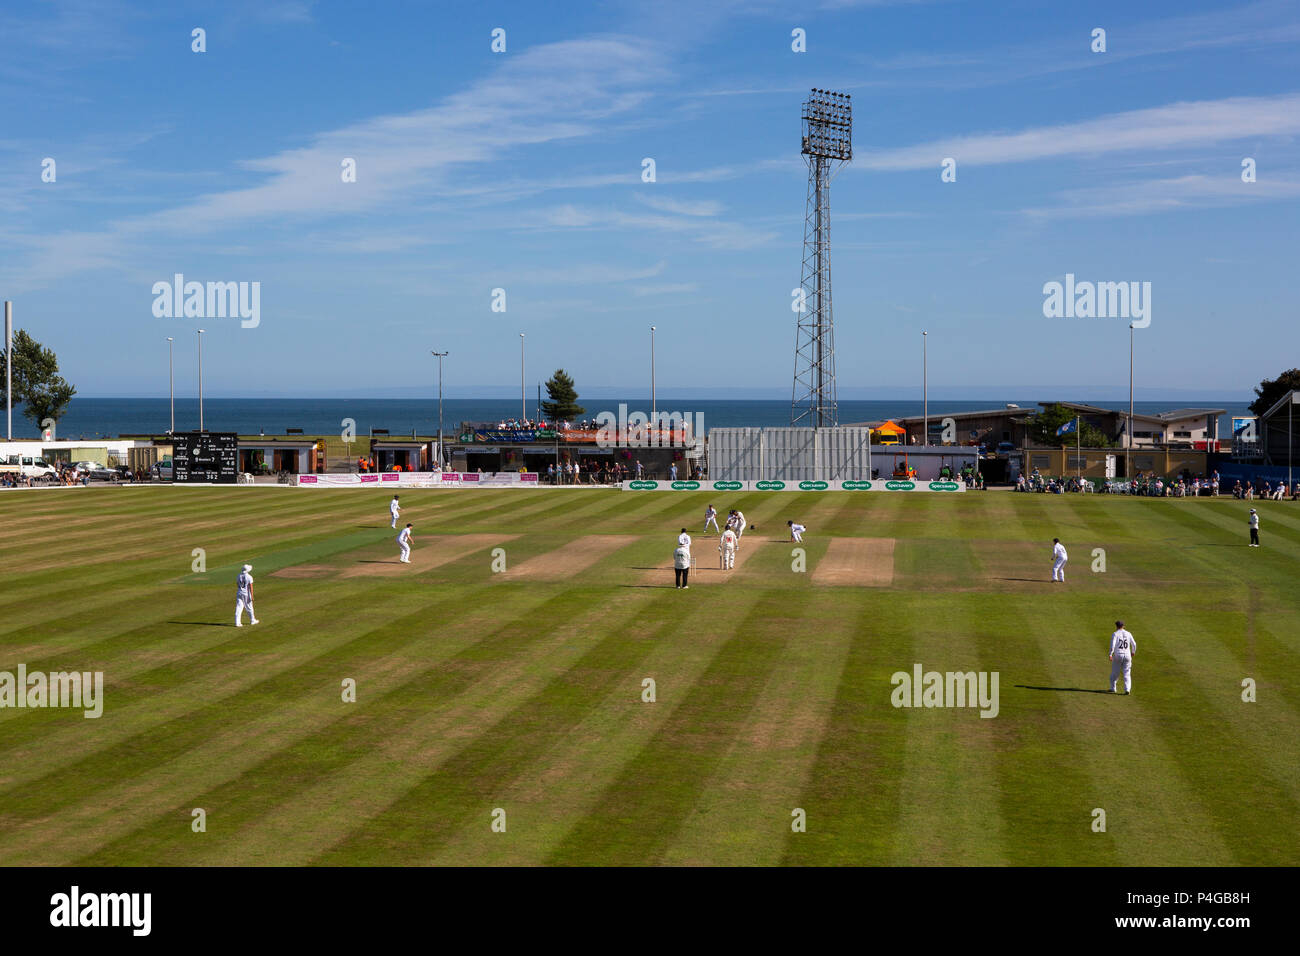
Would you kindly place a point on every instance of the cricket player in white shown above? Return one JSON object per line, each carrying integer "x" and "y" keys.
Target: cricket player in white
{"x": 740, "y": 526}
{"x": 796, "y": 531}
{"x": 1059, "y": 557}
{"x": 727, "y": 549}
{"x": 394, "y": 509}
{"x": 1122, "y": 649}
{"x": 682, "y": 567}
{"x": 684, "y": 540}
{"x": 711, "y": 518}
{"x": 244, "y": 597}
{"x": 404, "y": 542}
{"x": 1254, "y": 528}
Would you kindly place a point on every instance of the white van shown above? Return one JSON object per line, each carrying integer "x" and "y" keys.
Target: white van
{"x": 38, "y": 469}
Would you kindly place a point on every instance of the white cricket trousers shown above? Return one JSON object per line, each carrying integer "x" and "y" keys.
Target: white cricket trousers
{"x": 1122, "y": 665}
{"x": 394, "y": 514}
{"x": 728, "y": 558}
{"x": 1058, "y": 569}
{"x": 712, "y": 521}
{"x": 406, "y": 552}
{"x": 240, "y": 604}
{"x": 796, "y": 535}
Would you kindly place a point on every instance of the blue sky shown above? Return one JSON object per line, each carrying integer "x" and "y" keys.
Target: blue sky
{"x": 522, "y": 170}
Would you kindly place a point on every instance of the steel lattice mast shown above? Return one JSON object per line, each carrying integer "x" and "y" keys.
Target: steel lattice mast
{"x": 828, "y": 145}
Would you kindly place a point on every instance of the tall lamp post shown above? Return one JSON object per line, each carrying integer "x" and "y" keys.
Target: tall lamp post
{"x": 654, "y": 416}
{"x": 201, "y": 379}
{"x": 441, "y": 356}
{"x": 9, "y": 370}
{"x": 1128, "y": 429}
{"x": 1291, "y": 432}
{"x": 925, "y": 387}
{"x": 523, "y": 395}
{"x": 171, "y": 382}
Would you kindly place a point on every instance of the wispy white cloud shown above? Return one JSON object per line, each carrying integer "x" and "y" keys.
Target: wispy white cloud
{"x": 1168, "y": 195}
{"x": 550, "y": 93}
{"x": 708, "y": 231}
{"x": 1259, "y": 25}
{"x": 669, "y": 288}
{"x": 1177, "y": 125}
{"x": 682, "y": 207}
{"x": 593, "y": 273}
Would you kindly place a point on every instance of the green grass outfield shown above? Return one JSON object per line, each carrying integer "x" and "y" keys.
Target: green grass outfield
{"x": 478, "y": 691}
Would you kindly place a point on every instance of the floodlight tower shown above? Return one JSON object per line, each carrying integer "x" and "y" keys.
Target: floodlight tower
{"x": 828, "y": 145}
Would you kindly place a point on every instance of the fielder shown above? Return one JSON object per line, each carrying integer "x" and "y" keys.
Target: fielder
{"x": 1254, "y": 528}
{"x": 1059, "y": 557}
{"x": 1122, "y": 649}
{"x": 244, "y": 597}
{"x": 711, "y": 518}
{"x": 404, "y": 542}
{"x": 394, "y": 509}
{"x": 727, "y": 550}
{"x": 796, "y": 531}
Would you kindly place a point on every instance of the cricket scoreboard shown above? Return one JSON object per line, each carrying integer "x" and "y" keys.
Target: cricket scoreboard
{"x": 205, "y": 458}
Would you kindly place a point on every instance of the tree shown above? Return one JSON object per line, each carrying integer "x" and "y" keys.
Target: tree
{"x": 38, "y": 386}
{"x": 1043, "y": 427}
{"x": 1270, "y": 390}
{"x": 564, "y": 398}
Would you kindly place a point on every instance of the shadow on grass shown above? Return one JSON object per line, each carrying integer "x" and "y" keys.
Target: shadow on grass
{"x": 1030, "y": 580}
{"x": 201, "y": 623}
{"x": 1073, "y": 690}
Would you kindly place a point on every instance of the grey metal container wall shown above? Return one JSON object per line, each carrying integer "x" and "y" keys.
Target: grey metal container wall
{"x": 789, "y": 454}
{"x": 735, "y": 453}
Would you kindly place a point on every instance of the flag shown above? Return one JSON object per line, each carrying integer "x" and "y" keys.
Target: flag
{"x": 1068, "y": 427}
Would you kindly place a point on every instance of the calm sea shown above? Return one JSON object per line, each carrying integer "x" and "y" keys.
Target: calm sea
{"x": 111, "y": 417}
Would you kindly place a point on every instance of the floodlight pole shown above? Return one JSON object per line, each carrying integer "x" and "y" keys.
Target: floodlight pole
{"x": 523, "y": 395}
{"x": 827, "y": 141}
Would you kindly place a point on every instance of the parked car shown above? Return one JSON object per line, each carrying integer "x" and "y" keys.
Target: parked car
{"x": 161, "y": 471}
{"x": 124, "y": 473}
{"x": 95, "y": 471}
